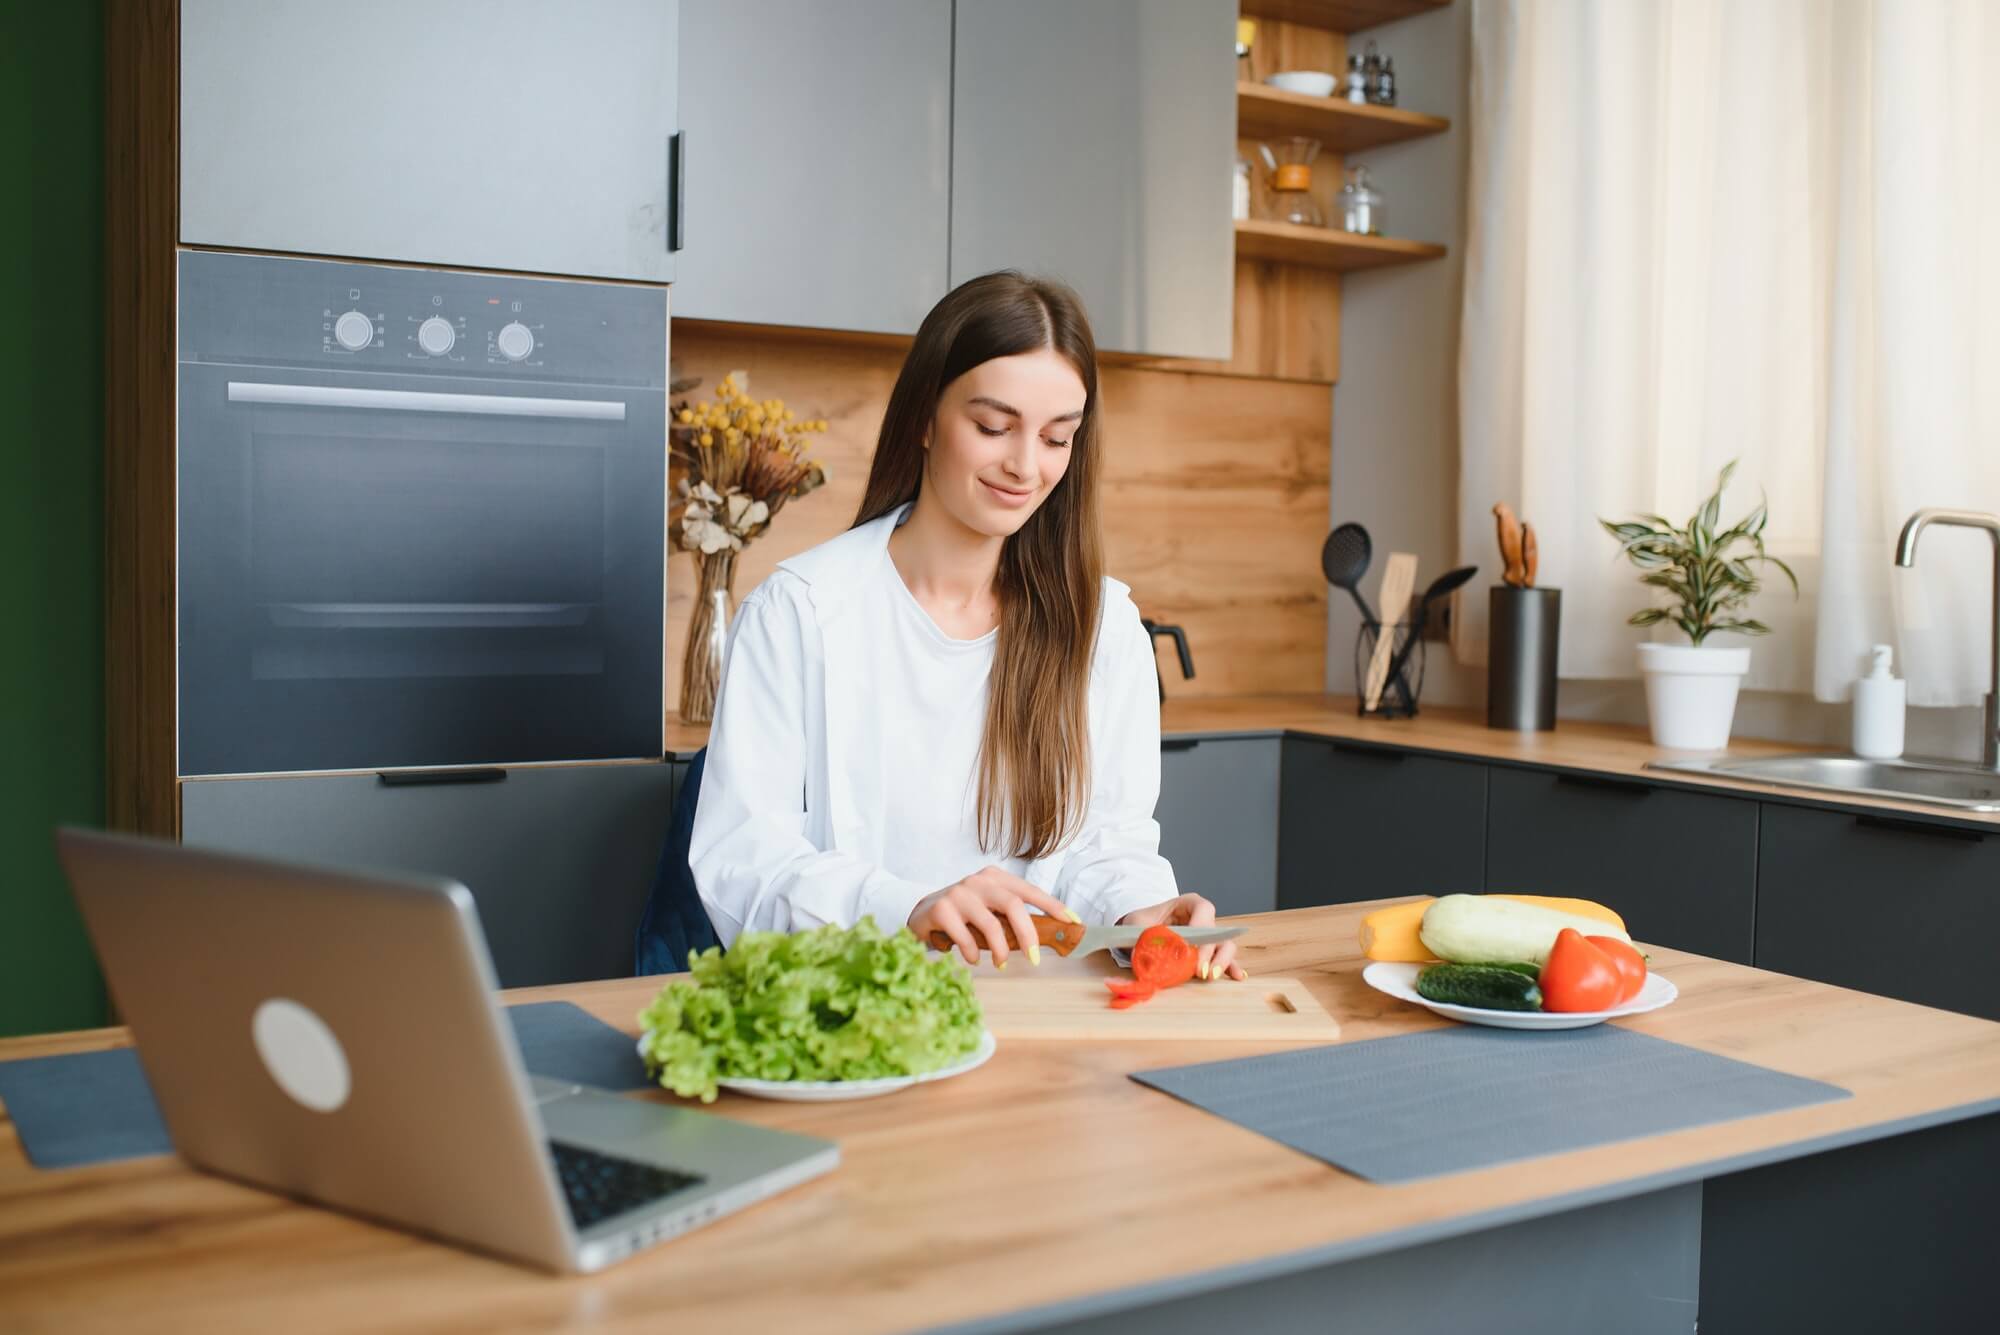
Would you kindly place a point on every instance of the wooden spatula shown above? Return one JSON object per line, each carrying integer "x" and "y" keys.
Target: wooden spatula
{"x": 1397, "y": 582}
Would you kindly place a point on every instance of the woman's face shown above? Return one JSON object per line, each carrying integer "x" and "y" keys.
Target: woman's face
{"x": 1001, "y": 441}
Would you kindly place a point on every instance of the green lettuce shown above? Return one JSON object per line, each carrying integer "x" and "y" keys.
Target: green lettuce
{"x": 832, "y": 1003}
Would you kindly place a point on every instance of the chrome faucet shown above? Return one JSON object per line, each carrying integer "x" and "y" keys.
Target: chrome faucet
{"x": 1906, "y": 556}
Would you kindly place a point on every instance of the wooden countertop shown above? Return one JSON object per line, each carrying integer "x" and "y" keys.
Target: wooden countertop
{"x": 1597, "y": 748}
{"x": 1043, "y": 1178}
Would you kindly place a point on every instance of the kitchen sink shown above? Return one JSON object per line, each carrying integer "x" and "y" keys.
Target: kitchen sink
{"x": 1940, "y": 783}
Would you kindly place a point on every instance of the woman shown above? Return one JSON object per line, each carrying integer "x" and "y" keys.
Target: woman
{"x": 948, "y": 715}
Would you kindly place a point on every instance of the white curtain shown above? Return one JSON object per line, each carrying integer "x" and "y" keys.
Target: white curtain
{"x": 1762, "y": 230}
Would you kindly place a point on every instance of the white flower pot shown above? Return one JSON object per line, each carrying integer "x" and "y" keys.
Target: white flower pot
{"x": 1691, "y": 694}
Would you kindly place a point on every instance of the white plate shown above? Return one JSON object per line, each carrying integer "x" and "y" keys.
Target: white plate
{"x": 831, "y": 1091}
{"x": 1400, "y": 982}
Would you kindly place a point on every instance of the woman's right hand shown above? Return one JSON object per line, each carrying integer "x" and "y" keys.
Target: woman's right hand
{"x": 971, "y": 909}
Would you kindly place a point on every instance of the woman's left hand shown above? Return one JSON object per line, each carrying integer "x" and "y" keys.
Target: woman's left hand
{"x": 1215, "y": 962}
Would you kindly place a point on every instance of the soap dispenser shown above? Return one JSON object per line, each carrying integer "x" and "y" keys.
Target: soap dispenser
{"x": 1878, "y": 709}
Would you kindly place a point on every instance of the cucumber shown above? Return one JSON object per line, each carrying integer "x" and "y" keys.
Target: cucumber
{"x": 1492, "y": 987}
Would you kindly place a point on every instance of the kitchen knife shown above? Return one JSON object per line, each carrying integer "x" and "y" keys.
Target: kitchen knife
{"x": 1069, "y": 938}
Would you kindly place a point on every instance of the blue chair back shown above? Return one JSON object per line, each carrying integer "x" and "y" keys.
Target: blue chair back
{"x": 675, "y": 922}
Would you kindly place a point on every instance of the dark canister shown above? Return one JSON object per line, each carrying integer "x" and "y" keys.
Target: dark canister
{"x": 1522, "y": 637}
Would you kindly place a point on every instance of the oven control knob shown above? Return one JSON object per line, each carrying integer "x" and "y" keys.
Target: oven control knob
{"x": 436, "y": 336}
{"x": 515, "y": 341}
{"x": 354, "y": 331}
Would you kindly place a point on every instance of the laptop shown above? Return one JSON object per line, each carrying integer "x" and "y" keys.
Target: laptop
{"x": 334, "y": 1036}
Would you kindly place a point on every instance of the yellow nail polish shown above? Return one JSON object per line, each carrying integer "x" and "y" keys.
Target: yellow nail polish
{"x": 1000, "y": 964}
{"x": 1072, "y": 915}
{"x": 1035, "y": 956}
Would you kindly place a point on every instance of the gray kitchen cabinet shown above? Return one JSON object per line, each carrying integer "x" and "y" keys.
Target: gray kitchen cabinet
{"x": 1680, "y": 867}
{"x": 499, "y": 134}
{"x": 559, "y": 859}
{"x": 1094, "y": 143}
{"x": 1218, "y": 817}
{"x": 1898, "y": 906}
{"x": 818, "y": 162}
{"x": 1368, "y": 822}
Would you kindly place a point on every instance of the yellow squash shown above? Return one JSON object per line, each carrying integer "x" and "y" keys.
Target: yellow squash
{"x": 1391, "y": 933}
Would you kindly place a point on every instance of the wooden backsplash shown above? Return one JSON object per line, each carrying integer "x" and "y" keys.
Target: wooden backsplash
{"x": 1214, "y": 506}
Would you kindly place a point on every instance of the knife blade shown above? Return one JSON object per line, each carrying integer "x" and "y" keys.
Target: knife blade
{"x": 1068, "y": 938}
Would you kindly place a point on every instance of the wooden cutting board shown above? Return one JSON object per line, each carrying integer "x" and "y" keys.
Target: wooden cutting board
{"x": 1078, "y": 1006}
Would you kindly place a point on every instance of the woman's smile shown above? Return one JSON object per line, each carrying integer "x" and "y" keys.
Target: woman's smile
{"x": 1012, "y": 498}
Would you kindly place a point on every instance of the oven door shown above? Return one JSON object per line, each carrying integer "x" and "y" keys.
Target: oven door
{"x": 381, "y": 571}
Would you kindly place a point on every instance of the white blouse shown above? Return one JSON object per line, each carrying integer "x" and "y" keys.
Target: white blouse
{"x": 840, "y": 777}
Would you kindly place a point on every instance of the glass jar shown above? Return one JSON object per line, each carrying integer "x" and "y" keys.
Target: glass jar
{"x": 1360, "y": 204}
{"x": 1290, "y": 161}
{"x": 1239, "y": 196}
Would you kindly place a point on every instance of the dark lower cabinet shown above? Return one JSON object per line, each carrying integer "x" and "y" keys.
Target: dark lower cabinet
{"x": 559, "y": 859}
{"x": 1218, "y": 817}
{"x": 1367, "y": 822}
{"x": 1893, "y": 905}
{"x": 1680, "y": 867}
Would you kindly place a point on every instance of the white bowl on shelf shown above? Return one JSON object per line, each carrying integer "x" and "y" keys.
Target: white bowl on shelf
{"x": 1313, "y": 83}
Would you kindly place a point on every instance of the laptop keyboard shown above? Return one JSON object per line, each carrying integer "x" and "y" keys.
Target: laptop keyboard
{"x": 598, "y": 1186}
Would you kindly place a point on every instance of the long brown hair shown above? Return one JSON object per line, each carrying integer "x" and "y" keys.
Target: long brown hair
{"x": 1034, "y": 756}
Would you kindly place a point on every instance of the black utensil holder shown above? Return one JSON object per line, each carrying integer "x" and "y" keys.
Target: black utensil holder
{"x": 1523, "y": 635}
{"x": 1405, "y": 681}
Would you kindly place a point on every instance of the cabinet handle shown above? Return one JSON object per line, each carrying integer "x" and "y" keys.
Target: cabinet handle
{"x": 1605, "y": 783}
{"x": 677, "y": 187}
{"x": 1366, "y": 751}
{"x": 410, "y": 778}
{"x": 1958, "y": 832}
{"x": 1179, "y": 743}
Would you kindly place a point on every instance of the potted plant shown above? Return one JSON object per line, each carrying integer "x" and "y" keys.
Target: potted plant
{"x": 1709, "y": 576}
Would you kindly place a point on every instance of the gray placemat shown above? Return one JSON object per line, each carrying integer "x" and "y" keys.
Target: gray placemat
{"x": 87, "y": 1107}
{"x": 1452, "y": 1100}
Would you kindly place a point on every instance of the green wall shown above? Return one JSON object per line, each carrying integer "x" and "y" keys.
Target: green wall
{"x": 51, "y": 499}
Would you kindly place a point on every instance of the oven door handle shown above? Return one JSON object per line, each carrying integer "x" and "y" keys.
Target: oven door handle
{"x": 425, "y": 401}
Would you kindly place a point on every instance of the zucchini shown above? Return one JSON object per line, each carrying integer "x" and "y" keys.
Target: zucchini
{"x": 1490, "y": 987}
{"x": 1486, "y": 929}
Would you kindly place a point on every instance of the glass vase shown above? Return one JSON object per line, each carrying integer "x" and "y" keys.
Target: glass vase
{"x": 708, "y": 634}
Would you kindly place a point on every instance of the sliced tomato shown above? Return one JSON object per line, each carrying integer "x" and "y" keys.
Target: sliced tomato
{"x": 1127, "y": 993}
{"x": 1162, "y": 958}
{"x": 1625, "y": 958}
{"x": 1578, "y": 976}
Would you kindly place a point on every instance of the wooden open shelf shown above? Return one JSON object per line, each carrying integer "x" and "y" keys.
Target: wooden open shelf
{"x": 1326, "y": 247}
{"x": 1338, "y": 15}
{"x": 1263, "y": 112}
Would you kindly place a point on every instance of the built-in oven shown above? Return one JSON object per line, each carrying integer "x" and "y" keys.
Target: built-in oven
{"x": 421, "y": 516}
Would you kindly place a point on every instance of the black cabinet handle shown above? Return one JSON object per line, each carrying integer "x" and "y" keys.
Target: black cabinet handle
{"x": 677, "y": 187}
{"x": 1606, "y": 783}
{"x": 1179, "y": 743}
{"x": 1961, "y": 833}
{"x": 1347, "y": 748}
{"x": 411, "y": 778}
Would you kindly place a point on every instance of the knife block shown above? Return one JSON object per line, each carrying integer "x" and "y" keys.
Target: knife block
{"x": 1523, "y": 636}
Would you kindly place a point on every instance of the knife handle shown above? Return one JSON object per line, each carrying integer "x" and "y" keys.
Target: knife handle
{"x": 1059, "y": 936}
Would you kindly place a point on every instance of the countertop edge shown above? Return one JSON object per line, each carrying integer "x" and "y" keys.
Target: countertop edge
{"x": 1375, "y": 1244}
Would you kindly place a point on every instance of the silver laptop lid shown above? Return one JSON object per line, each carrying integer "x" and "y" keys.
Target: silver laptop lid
{"x": 331, "y": 1035}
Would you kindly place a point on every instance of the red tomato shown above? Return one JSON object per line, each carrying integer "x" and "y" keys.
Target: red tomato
{"x": 1162, "y": 958}
{"x": 1125, "y": 993}
{"x": 1578, "y": 976}
{"x": 1625, "y": 958}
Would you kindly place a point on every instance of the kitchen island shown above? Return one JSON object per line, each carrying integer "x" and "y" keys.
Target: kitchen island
{"x": 1048, "y": 1191}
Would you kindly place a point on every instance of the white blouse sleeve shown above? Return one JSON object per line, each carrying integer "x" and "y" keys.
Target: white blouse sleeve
{"x": 1115, "y": 864}
{"x": 753, "y": 863}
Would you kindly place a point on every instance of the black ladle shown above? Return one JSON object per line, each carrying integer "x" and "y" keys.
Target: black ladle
{"x": 1344, "y": 558}
{"x": 1442, "y": 587}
